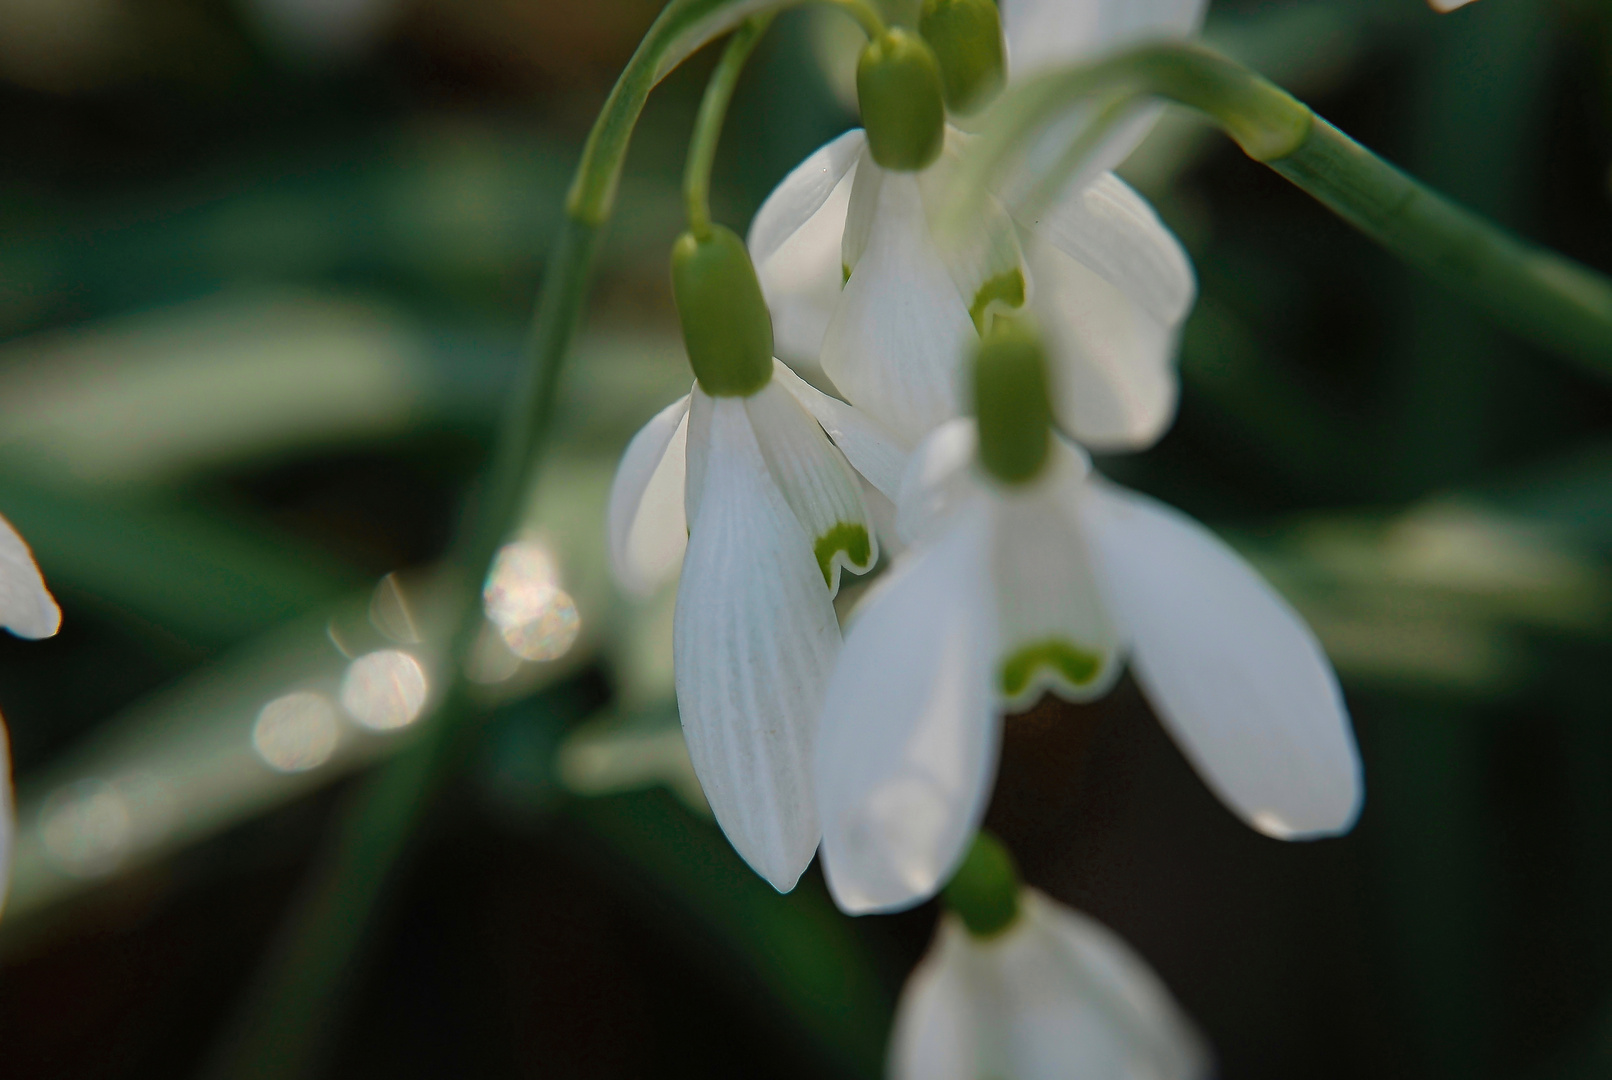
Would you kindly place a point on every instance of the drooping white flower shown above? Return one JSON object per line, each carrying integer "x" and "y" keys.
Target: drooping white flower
{"x": 1055, "y": 996}
{"x": 29, "y": 611}
{"x": 1012, "y": 589}
{"x": 762, "y": 511}
{"x": 861, "y": 288}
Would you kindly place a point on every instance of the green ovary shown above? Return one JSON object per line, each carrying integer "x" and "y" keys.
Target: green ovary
{"x": 1075, "y": 665}
{"x": 848, "y": 537}
{"x": 1007, "y": 287}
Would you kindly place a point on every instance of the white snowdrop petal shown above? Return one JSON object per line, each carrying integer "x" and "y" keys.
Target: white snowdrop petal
{"x": 910, "y": 728}
{"x": 26, "y": 607}
{"x": 1232, "y": 671}
{"x": 1056, "y": 631}
{"x": 698, "y": 450}
{"x": 1042, "y": 33}
{"x": 795, "y": 244}
{"x": 985, "y": 262}
{"x": 934, "y": 1035}
{"x": 816, "y": 482}
{"x": 871, "y": 450}
{"x": 1078, "y": 1001}
{"x": 645, "y": 520}
{"x": 900, "y": 334}
{"x": 938, "y": 478}
{"x": 1111, "y": 363}
{"x": 754, "y": 640}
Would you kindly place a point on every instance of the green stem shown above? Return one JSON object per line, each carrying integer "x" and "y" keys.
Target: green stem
{"x": 708, "y": 124}
{"x": 1544, "y": 297}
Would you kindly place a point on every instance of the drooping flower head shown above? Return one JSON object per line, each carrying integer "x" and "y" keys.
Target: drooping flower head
{"x": 864, "y": 290}
{"x": 1029, "y": 573}
{"x": 740, "y": 484}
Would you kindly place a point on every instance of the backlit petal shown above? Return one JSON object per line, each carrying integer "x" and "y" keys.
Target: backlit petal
{"x": 816, "y": 481}
{"x": 1042, "y": 33}
{"x": 1112, "y": 289}
{"x": 910, "y": 728}
{"x": 26, "y": 607}
{"x": 647, "y": 527}
{"x": 898, "y": 339}
{"x": 1232, "y": 671}
{"x": 934, "y": 1037}
{"x": 754, "y": 640}
{"x": 795, "y": 244}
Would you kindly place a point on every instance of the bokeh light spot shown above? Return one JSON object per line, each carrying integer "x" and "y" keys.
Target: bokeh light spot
{"x": 296, "y": 732}
{"x": 384, "y": 690}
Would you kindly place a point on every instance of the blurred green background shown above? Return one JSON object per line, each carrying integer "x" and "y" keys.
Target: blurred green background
{"x": 265, "y": 269}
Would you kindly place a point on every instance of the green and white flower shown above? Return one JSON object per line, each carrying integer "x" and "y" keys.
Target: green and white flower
{"x": 757, "y": 503}
{"x": 1055, "y": 995}
{"x": 1048, "y": 583}
{"x": 862, "y": 290}
{"x": 29, "y": 611}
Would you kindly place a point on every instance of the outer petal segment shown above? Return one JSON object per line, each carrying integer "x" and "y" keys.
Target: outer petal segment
{"x": 26, "y": 607}
{"x": 754, "y": 640}
{"x": 871, "y": 450}
{"x": 1113, "y": 287}
{"x": 646, "y": 522}
{"x": 910, "y": 728}
{"x": 896, "y": 344}
{"x": 795, "y": 243}
{"x": 817, "y": 483}
{"x": 1234, "y": 674}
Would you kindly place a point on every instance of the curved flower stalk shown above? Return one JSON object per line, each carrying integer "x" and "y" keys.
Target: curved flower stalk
{"x": 1055, "y": 995}
{"x": 745, "y": 483}
{"x": 29, "y": 611}
{"x": 1029, "y": 573}
{"x": 1019, "y": 987}
{"x": 864, "y": 290}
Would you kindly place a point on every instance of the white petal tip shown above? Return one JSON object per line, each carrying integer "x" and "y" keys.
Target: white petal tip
{"x": 41, "y": 623}
{"x": 1319, "y": 827}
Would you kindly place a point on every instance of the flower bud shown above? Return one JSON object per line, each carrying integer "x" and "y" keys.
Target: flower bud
{"x": 985, "y": 890}
{"x": 966, "y": 36}
{"x": 903, "y": 105}
{"x": 727, "y": 328}
{"x": 1012, "y": 403}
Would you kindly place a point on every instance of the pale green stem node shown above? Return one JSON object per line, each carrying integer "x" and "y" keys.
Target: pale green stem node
{"x": 1012, "y": 403}
{"x": 966, "y": 36}
{"x": 898, "y": 86}
{"x": 985, "y": 890}
{"x": 726, "y": 326}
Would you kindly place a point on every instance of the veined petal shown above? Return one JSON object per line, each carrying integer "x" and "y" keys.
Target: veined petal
{"x": 754, "y": 640}
{"x": 896, "y": 344}
{"x": 938, "y": 478}
{"x": 795, "y": 244}
{"x": 1078, "y": 1001}
{"x": 871, "y": 450}
{"x": 26, "y": 607}
{"x": 935, "y": 1036}
{"x": 698, "y": 450}
{"x": 817, "y": 483}
{"x": 647, "y": 527}
{"x": 1042, "y": 33}
{"x": 910, "y": 728}
{"x": 1056, "y": 631}
{"x": 1232, "y": 671}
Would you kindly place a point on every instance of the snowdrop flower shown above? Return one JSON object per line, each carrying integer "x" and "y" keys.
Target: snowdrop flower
{"x": 859, "y": 285}
{"x": 29, "y": 611}
{"x": 739, "y": 483}
{"x": 1038, "y": 993}
{"x": 1029, "y": 573}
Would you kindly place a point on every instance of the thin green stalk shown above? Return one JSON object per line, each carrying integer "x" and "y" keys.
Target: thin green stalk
{"x": 1542, "y": 296}
{"x": 708, "y": 124}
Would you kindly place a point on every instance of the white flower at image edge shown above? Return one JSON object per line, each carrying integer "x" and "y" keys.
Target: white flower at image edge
{"x": 1055, "y": 996}
{"x": 29, "y": 611}
{"x": 859, "y": 286}
{"x": 762, "y": 512}
{"x": 1049, "y": 585}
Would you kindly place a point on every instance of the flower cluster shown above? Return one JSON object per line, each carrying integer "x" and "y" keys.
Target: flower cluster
{"x": 969, "y": 372}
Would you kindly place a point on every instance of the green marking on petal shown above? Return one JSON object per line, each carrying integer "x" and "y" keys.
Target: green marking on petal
{"x": 845, "y": 536}
{"x": 845, "y": 274}
{"x": 1075, "y": 665}
{"x": 1006, "y": 287}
